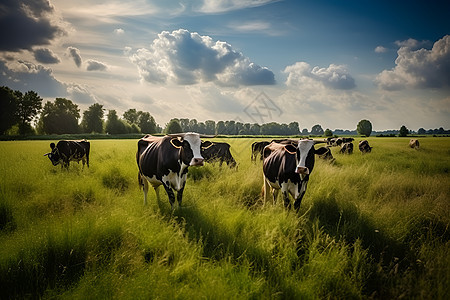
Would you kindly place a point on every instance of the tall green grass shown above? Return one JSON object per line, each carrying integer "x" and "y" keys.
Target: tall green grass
{"x": 370, "y": 226}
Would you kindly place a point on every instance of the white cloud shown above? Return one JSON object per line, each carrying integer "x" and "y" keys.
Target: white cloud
{"x": 220, "y": 6}
{"x": 185, "y": 58}
{"x": 420, "y": 68}
{"x": 119, "y": 31}
{"x": 411, "y": 43}
{"x": 381, "y": 49}
{"x": 334, "y": 77}
{"x": 93, "y": 65}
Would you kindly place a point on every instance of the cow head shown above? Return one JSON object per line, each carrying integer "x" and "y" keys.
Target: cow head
{"x": 54, "y": 156}
{"x": 305, "y": 156}
{"x": 190, "y": 144}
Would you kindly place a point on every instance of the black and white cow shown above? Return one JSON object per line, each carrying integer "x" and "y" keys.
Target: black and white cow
{"x": 257, "y": 148}
{"x": 364, "y": 146}
{"x": 287, "y": 167}
{"x": 325, "y": 153}
{"x": 346, "y": 148}
{"x": 414, "y": 143}
{"x": 66, "y": 151}
{"x": 218, "y": 152}
{"x": 165, "y": 161}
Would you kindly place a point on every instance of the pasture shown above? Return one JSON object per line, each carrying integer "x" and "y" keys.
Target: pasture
{"x": 369, "y": 226}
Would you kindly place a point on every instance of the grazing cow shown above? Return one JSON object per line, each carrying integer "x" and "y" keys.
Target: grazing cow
{"x": 325, "y": 153}
{"x": 364, "y": 146}
{"x": 165, "y": 161}
{"x": 287, "y": 168}
{"x": 218, "y": 152}
{"x": 346, "y": 148}
{"x": 347, "y": 140}
{"x": 413, "y": 143}
{"x": 66, "y": 151}
{"x": 334, "y": 141}
{"x": 257, "y": 148}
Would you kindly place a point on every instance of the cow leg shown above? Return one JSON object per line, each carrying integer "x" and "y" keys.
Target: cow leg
{"x": 287, "y": 202}
{"x": 145, "y": 189}
{"x": 180, "y": 195}
{"x": 170, "y": 194}
{"x": 275, "y": 195}
{"x": 266, "y": 189}
{"x": 299, "y": 198}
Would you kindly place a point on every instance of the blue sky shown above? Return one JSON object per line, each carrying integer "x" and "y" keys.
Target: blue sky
{"x": 319, "y": 62}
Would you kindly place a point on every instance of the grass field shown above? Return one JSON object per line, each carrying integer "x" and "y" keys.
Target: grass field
{"x": 370, "y": 226}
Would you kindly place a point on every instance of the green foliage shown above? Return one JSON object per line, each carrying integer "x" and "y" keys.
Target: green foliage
{"x": 29, "y": 106}
{"x": 364, "y": 127}
{"x": 370, "y": 226}
{"x": 328, "y": 132}
{"x": 93, "y": 119}
{"x": 173, "y": 127}
{"x": 317, "y": 130}
{"x": 403, "y": 131}
{"x": 8, "y": 107}
{"x": 114, "y": 125}
{"x": 59, "y": 117}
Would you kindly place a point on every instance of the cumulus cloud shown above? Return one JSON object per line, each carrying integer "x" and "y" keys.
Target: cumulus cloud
{"x": 334, "y": 77}
{"x": 46, "y": 56}
{"x": 380, "y": 49}
{"x": 75, "y": 54}
{"x": 420, "y": 68}
{"x": 25, "y": 76}
{"x": 119, "y": 31}
{"x": 214, "y": 6}
{"x": 93, "y": 65}
{"x": 24, "y": 24}
{"x": 80, "y": 94}
{"x": 187, "y": 58}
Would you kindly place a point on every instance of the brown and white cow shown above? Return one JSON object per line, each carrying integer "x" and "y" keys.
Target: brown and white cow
{"x": 257, "y": 148}
{"x": 165, "y": 161}
{"x": 287, "y": 167}
{"x": 414, "y": 143}
{"x": 66, "y": 151}
{"x": 218, "y": 152}
{"x": 346, "y": 148}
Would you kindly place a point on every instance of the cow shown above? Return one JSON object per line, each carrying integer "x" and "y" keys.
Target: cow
{"x": 165, "y": 161}
{"x": 325, "y": 153}
{"x": 287, "y": 168}
{"x": 218, "y": 152}
{"x": 66, "y": 151}
{"x": 257, "y": 148}
{"x": 334, "y": 141}
{"x": 347, "y": 148}
{"x": 347, "y": 140}
{"x": 364, "y": 146}
{"x": 413, "y": 143}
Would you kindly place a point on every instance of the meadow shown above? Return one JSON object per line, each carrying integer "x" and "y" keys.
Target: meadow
{"x": 369, "y": 226}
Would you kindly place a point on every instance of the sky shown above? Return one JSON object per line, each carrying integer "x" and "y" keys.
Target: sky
{"x": 330, "y": 62}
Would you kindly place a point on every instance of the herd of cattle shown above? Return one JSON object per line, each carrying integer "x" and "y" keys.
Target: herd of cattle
{"x": 164, "y": 160}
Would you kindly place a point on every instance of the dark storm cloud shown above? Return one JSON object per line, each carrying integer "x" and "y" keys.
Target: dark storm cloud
{"x": 24, "y": 24}
{"x": 75, "y": 54}
{"x": 46, "y": 56}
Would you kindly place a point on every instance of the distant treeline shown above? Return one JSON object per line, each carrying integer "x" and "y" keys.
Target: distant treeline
{"x": 25, "y": 115}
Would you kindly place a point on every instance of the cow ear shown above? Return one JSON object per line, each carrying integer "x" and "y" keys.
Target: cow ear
{"x": 321, "y": 150}
{"x": 290, "y": 148}
{"x": 52, "y": 145}
{"x": 176, "y": 143}
{"x": 206, "y": 144}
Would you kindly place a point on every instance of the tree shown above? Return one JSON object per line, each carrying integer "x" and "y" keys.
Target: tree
{"x": 210, "y": 127}
{"x": 93, "y": 119}
{"x": 173, "y": 127}
{"x": 28, "y": 107}
{"x": 59, "y": 117}
{"x": 305, "y": 131}
{"x": 403, "y": 131}
{"x": 328, "y": 132}
{"x": 421, "y": 131}
{"x": 146, "y": 122}
{"x": 294, "y": 128}
{"x": 220, "y": 127}
{"x": 131, "y": 116}
{"x": 113, "y": 124}
{"x": 364, "y": 127}
{"x": 317, "y": 130}
{"x": 8, "y": 107}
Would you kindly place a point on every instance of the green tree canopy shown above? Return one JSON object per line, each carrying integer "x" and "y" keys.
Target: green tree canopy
{"x": 173, "y": 127}
{"x": 28, "y": 107}
{"x": 8, "y": 107}
{"x": 403, "y": 131}
{"x": 328, "y": 132}
{"x": 114, "y": 125}
{"x": 131, "y": 116}
{"x": 146, "y": 122}
{"x": 59, "y": 117}
{"x": 317, "y": 130}
{"x": 93, "y": 119}
{"x": 364, "y": 127}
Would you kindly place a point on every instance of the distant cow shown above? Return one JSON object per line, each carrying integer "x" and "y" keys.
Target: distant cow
{"x": 66, "y": 151}
{"x": 413, "y": 143}
{"x": 257, "y": 148}
{"x": 287, "y": 168}
{"x": 218, "y": 152}
{"x": 346, "y": 148}
{"x": 165, "y": 161}
{"x": 334, "y": 141}
{"x": 347, "y": 140}
{"x": 364, "y": 146}
{"x": 325, "y": 153}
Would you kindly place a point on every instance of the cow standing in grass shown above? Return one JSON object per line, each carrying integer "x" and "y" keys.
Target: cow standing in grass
{"x": 218, "y": 152}
{"x": 287, "y": 167}
{"x": 165, "y": 161}
{"x": 364, "y": 147}
{"x": 66, "y": 151}
{"x": 413, "y": 143}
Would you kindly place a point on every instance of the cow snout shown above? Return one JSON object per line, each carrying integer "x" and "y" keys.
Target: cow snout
{"x": 302, "y": 170}
{"x": 197, "y": 161}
